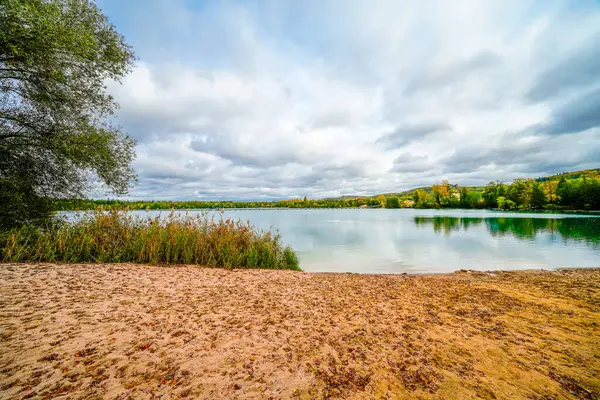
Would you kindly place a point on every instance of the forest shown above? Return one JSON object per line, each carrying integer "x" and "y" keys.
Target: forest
{"x": 89, "y": 204}
{"x": 522, "y": 194}
{"x": 569, "y": 191}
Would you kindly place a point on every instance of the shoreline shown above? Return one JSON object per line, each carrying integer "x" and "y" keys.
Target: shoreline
{"x": 490, "y": 272}
{"x": 532, "y": 211}
{"x": 138, "y": 331}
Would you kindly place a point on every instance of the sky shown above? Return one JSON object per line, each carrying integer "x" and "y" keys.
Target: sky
{"x": 251, "y": 100}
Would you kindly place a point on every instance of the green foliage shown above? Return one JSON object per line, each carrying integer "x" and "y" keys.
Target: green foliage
{"x": 538, "y": 197}
{"x": 55, "y": 57}
{"x": 464, "y": 194}
{"x": 122, "y": 237}
{"x": 522, "y": 194}
{"x": 491, "y": 192}
{"x": 392, "y": 202}
{"x": 506, "y": 204}
{"x": 20, "y": 204}
{"x": 86, "y": 204}
{"x": 423, "y": 199}
{"x": 500, "y": 202}
{"x": 586, "y": 173}
{"x": 473, "y": 200}
{"x": 510, "y": 205}
{"x": 520, "y": 191}
{"x": 579, "y": 193}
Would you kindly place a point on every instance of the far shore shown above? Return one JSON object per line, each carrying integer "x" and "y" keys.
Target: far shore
{"x": 585, "y": 212}
{"x": 141, "y": 332}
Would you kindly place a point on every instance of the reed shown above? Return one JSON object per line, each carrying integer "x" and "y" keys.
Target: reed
{"x": 120, "y": 236}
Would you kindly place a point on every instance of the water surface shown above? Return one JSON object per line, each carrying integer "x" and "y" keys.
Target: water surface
{"x": 429, "y": 241}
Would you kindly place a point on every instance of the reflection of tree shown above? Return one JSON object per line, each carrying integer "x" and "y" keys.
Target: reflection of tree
{"x": 522, "y": 228}
{"x": 447, "y": 225}
{"x": 586, "y": 229}
{"x": 582, "y": 229}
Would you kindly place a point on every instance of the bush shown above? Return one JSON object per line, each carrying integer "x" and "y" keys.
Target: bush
{"x": 119, "y": 236}
{"x": 392, "y": 202}
{"x": 510, "y": 205}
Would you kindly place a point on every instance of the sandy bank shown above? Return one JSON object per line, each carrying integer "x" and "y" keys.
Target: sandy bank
{"x": 128, "y": 331}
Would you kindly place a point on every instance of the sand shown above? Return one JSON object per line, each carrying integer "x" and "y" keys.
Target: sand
{"x": 128, "y": 331}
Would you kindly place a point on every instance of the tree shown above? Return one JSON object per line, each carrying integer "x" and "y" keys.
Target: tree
{"x": 591, "y": 193}
{"x": 569, "y": 192}
{"x": 381, "y": 199}
{"x": 538, "y": 196}
{"x": 506, "y": 204}
{"x": 520, "y": 191}
{"x": 55, "y": 137}
{"x": 423, "y": 200}
{"x": 550, "y": 190}
{"x": 463, "y": 191}
{"x": 500, "y": 202}
{"x": 468, "y": 198}
{"x": 441, "y": 193}
{"x": 472, "y": 200}
{"x": 491, "y": 192}
{"x": 392, "y": 202}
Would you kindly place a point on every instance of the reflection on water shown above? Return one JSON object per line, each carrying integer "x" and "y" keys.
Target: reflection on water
{"x": 581, "y": 229}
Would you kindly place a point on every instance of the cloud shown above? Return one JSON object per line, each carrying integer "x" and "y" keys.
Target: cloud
{"x": 577, "y": 115}
{"x": 576, "y": 69}
{"x": 408, "y": 133}
{"x": 267, "y": 100}
{"x": 518, "y": 156}
{"x": 455, "y": 73}
{"x": 410, "y": 163}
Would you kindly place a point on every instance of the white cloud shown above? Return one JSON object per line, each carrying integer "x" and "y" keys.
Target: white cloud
{"x": 275, "y": 99}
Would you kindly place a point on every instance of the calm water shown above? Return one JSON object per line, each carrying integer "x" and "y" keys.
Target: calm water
{"x": 420, "y": 241}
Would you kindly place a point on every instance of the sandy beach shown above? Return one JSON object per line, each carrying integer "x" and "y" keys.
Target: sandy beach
{"x": 141, "y": 332}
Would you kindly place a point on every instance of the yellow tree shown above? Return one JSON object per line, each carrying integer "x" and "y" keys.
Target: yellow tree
{"x": 443, "y": 189}
{"x": 550, "y": 190}
{"x": 441, "y": 192}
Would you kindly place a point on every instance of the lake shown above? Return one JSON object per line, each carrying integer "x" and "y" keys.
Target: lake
{"x": 429, "y": 241}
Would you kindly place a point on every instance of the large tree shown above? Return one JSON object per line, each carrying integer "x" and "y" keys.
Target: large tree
{"x": 520, "y": 191}
{"x": 56, "y": 137}
{"x": 538, "y": 196}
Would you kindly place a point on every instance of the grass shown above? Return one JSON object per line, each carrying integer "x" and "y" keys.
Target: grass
{"x": 119, "y": 236}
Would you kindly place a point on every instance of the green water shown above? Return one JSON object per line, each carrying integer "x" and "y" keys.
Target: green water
{"x": 425, "y": 241}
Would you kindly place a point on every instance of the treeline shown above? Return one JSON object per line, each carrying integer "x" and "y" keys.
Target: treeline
{"x": 523, "y": 194}
{"x": 582, "y": 193}
{"x": 88, "y": 204}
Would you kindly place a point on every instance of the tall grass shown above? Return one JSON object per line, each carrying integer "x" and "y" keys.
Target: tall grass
{"x": 119, "y": 236}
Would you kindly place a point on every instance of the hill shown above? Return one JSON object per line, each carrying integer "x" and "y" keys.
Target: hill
{"x": 586, "y": 173}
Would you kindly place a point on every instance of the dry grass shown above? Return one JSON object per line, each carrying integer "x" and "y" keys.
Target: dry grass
{"x": 125, "y": 331}
{"x": 119, "y": 236}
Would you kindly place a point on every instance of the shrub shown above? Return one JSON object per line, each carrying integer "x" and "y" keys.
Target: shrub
{"x": 392, "y": 202}
{"x": 501, "y": 201}
{"x": 120, "y": 236}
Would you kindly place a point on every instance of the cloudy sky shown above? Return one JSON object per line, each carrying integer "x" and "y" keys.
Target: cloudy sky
{"x": 275, "y": 99}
